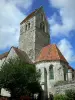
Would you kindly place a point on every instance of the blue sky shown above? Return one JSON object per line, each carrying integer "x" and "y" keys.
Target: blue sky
{"x": 60, "y": 15}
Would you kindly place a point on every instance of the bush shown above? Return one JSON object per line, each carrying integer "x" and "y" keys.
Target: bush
{"x": 70, "y": 94}
{"x": 19, "y": 78}
{"x": 60, "y": 97}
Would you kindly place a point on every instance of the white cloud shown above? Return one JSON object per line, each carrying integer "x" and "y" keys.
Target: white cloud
{"x": 66, "y": 49}
{"x": 22, "y": 3}
{"x": 67, "y": 14}
{"x": 10, "y": 18}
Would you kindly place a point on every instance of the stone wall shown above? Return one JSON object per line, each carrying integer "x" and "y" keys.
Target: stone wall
{"x": 27, "y": 38}
{"x": 60, "y": 89}
{"x": 58, "y": 74}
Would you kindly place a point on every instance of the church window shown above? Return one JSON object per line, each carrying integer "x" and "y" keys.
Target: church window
{"x": 45, "y": 75}
{"x": 51, "y": 73}
{"x": 65, "y": 72}
{"x": 42, "y": 26}
{"x": 28, "y": 25}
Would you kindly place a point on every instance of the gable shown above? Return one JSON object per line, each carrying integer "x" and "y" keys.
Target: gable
{"x": 35, "y": 12}
{"x": 12, "y": 54}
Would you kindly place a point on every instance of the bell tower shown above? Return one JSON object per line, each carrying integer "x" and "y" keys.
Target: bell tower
{"x": 34, "y": 33}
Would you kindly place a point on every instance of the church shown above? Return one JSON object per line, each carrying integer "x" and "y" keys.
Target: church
{"x": 35, "y": 47}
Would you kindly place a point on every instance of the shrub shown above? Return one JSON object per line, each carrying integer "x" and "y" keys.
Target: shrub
{"x": 70, "y": 94}
{"x": 60, "y": 97}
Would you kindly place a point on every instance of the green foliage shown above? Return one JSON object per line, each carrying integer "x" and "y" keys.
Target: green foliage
{"x": 19, "y": 77}
{"x": 70, "y": 94}
{"x": 60, "y": 97}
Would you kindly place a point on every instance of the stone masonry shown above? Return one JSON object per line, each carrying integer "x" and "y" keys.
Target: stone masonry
{"x": 33, "y": 39}
{"x": 60, "y": 89}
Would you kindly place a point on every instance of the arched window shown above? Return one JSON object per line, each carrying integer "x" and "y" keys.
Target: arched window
{"x": 65, "y": 72}
{"x": 51, "y": 73}
{"x": 28, "y": 25}
{"x": 45, "y": 75}
{"x": 42, "y": 26}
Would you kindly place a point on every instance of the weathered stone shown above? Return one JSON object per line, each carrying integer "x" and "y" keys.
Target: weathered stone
{"x": 34, "y": 38}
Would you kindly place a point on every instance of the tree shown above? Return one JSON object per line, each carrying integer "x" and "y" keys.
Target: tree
{"x": 19, "y": 78}
{"x": 60, "y": 97}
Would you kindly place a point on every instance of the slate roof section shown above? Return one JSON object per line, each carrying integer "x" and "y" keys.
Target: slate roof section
{"x": 30, "y": 15}
{"x": 3, "y": 55}
{"x": 50, "y": 53}
{"x": 22, "y": 55}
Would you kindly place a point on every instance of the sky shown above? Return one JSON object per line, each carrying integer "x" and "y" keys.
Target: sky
{"x": 60, "y": 15}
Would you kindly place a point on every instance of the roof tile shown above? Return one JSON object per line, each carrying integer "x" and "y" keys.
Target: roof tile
{"x": 52, "y": 53}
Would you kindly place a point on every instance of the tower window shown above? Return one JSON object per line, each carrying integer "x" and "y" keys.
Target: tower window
{"x": 51, "y": 73}
{"x": 42, "y": 17}
{"x": 42, "y": 26}
{"x": 28, "y": 25}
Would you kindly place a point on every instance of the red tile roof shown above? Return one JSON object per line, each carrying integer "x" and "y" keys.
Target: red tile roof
{"x": 50, "y": 53}
{"x": 3, "y": 55}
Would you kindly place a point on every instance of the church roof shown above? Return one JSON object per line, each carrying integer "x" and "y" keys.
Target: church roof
{"x": 19, "y": 52}
{"x": 69, "y": 67}
{"x": 50, "y": 53}
{"x": 3, "y": 55}
{"x": 22, "y": 55}
{"x": 30, "y": 15}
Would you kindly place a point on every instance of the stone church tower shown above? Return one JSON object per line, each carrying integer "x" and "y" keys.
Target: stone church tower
{"x": 34, "y": 33}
